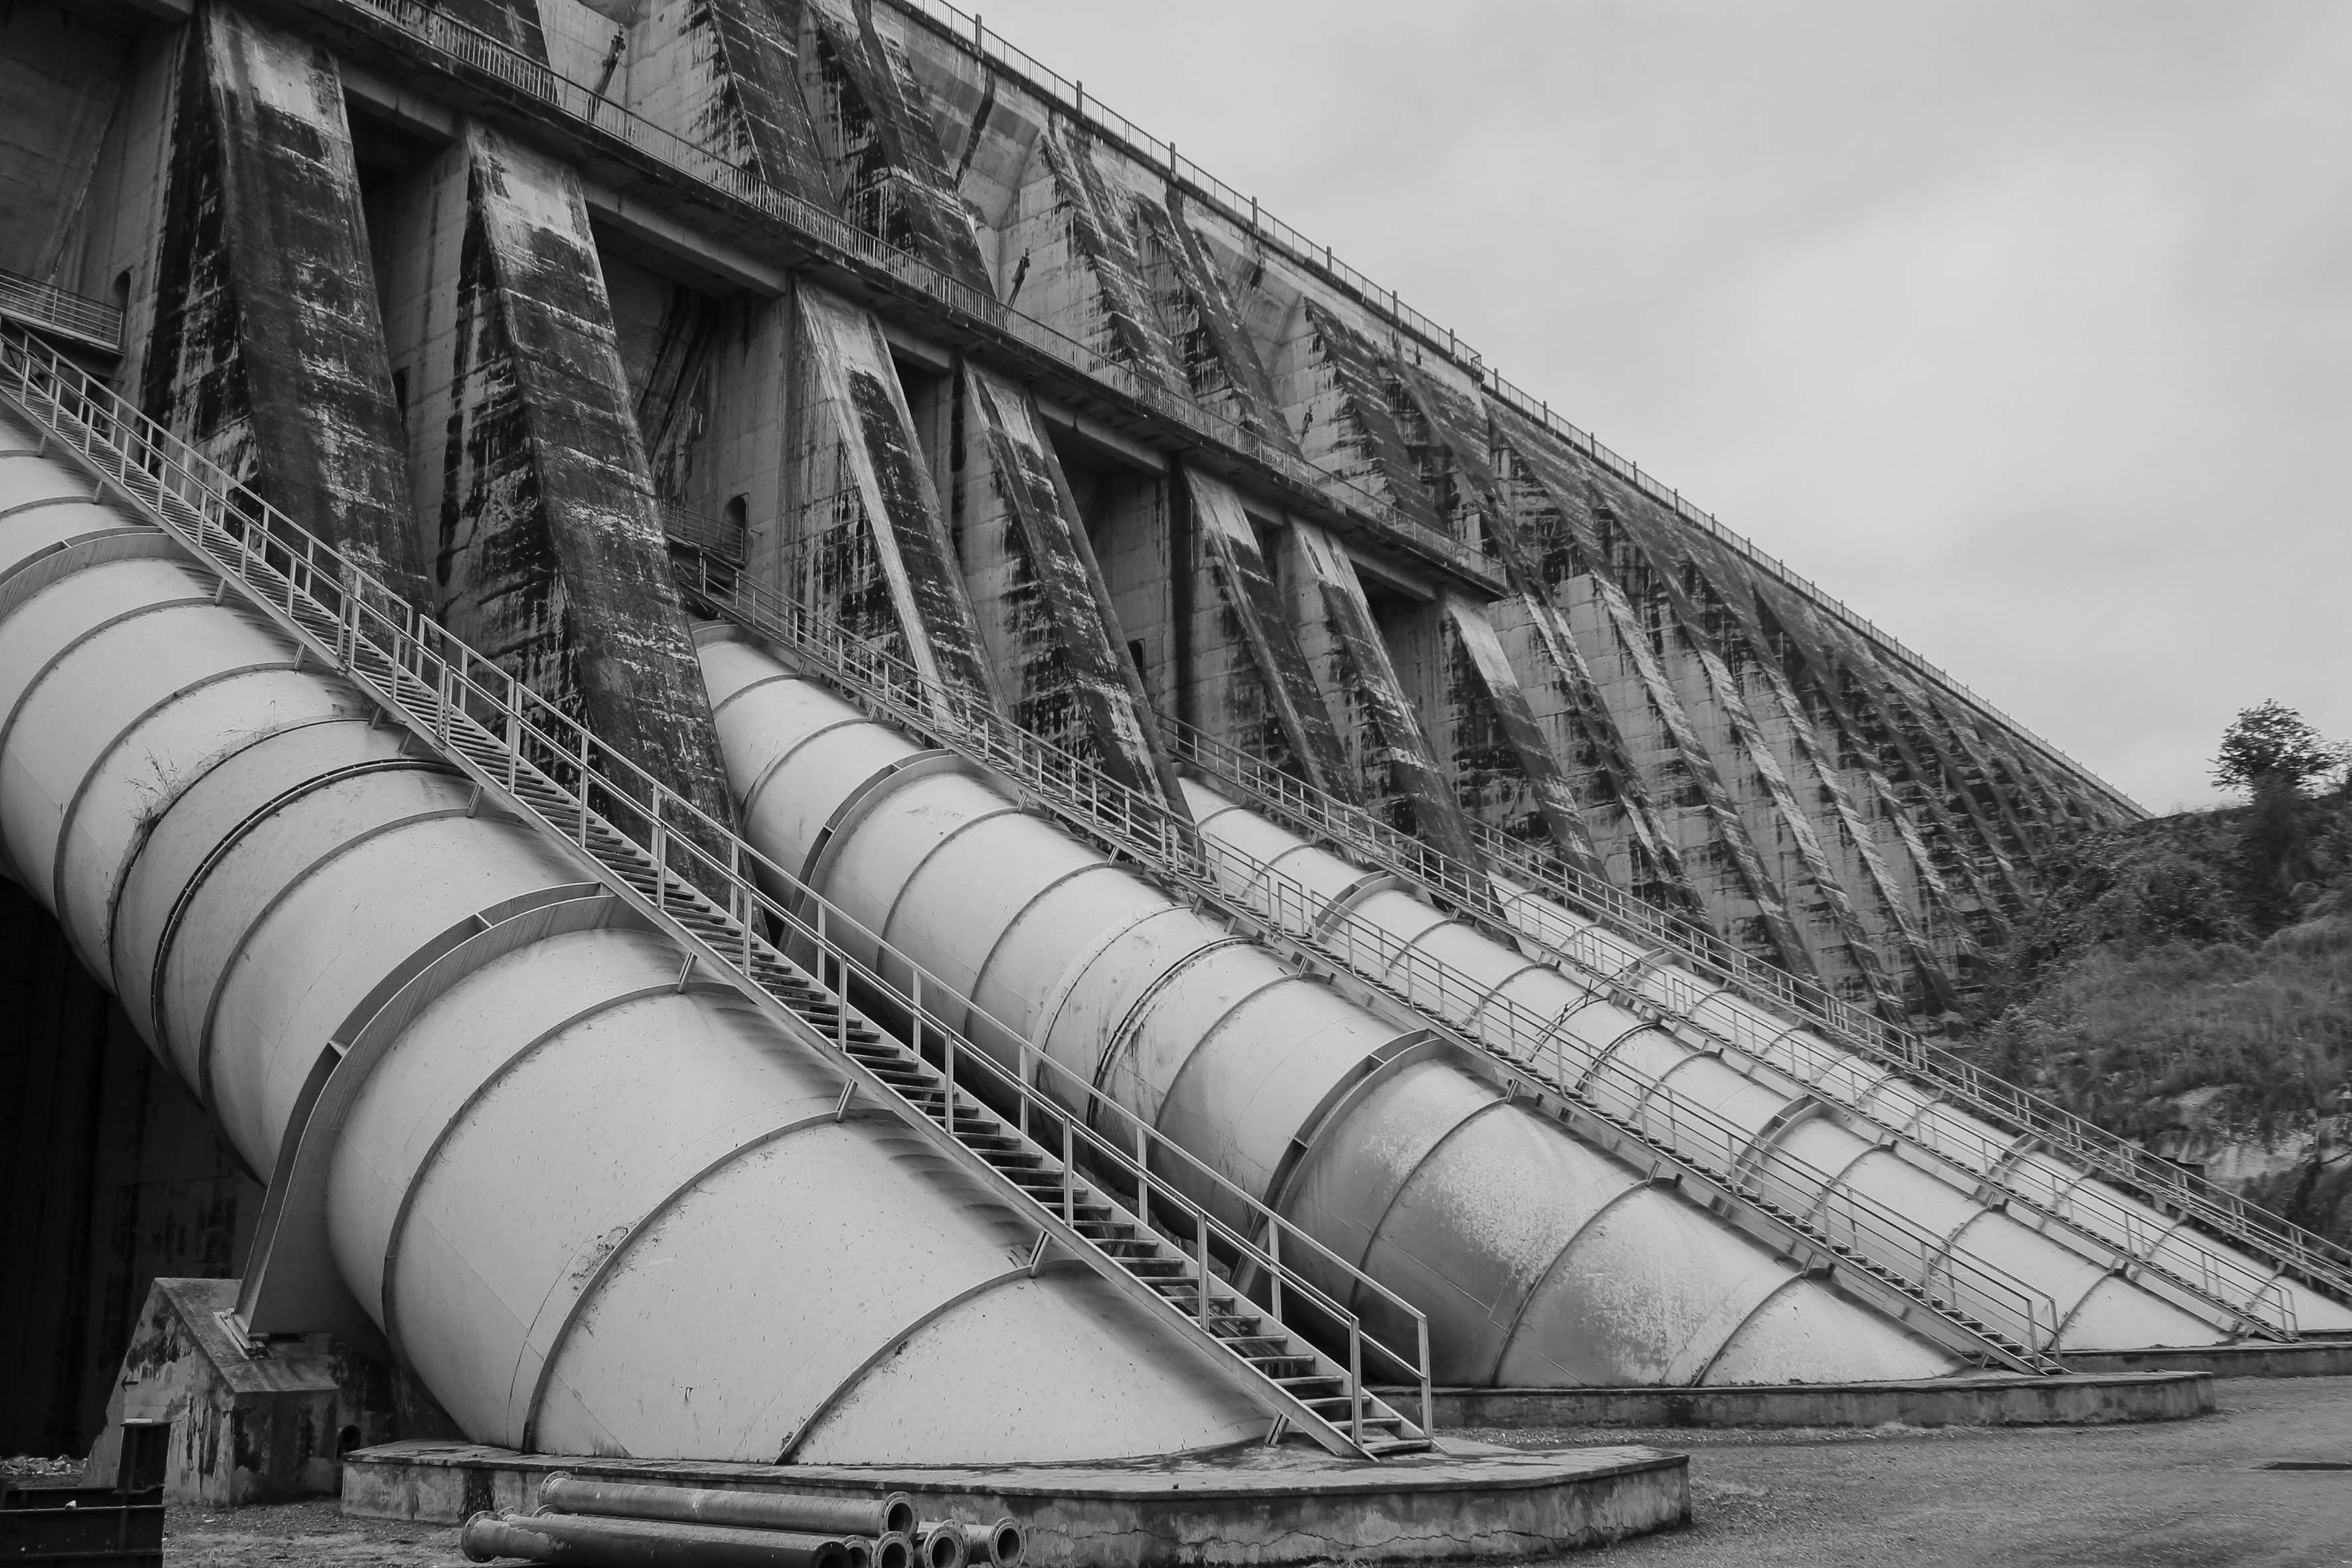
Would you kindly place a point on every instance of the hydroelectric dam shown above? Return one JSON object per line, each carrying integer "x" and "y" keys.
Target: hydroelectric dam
{"x": 737, "y": 749}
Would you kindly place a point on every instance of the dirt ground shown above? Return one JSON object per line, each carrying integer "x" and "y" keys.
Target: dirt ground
{"x": 2170, "y": 1495}
{"x": 2176, "y": 1494}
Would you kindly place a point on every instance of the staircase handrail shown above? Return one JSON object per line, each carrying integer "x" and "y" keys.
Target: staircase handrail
{"x": 1130, "y": 822}
{"x": 305, "y": 585}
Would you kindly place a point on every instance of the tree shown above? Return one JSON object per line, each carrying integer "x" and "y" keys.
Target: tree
{"x": 2270, "y": 746}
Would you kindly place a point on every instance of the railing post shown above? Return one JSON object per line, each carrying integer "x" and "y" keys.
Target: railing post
{"x": 1428, "y": 1401}
{"x": 1200, "y": 1249}
{"x": 1273, "y": 1263}
{"x": 1069, "y": 1173}
{"x": 1355, "y": 1380}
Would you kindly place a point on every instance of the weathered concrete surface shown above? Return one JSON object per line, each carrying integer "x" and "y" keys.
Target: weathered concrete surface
{"x": 1058, "y": 651}
{"x": 1502, "y": 763}
{"x": 1840, "y": 676}
{"x": 866, "y": 541}
{"x": 2000, "y": 1401}
{"x": 268, "y": 352}
{"x": 2311, "y": 1358}
{"x": 1219, "y": 358}
{"x": 1249, "y": 682}
{"x": 536, "y": 501}
{"x": 244, "y": 1428}
{"x": 1879, "y": 853}
{"x": 1843, "y": 949}
{"x": 1067, "y": 258}
{"x": 1253, "y": 1505}
{"x": 113, "y": 1175}
{"x": 63, "y": 68}
{"x": 1332, "y": 387}
{"x": 875, "y": 123}
{"x": 1561, "y": 510}
{"x": 670, "y": 337}
{"x": 725, "y": 74}
{"x": 1397, "y": 769}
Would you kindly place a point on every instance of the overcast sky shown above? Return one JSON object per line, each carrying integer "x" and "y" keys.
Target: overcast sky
{"x": 2023, "y": 326}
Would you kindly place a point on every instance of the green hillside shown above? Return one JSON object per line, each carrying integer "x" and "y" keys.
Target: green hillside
{"x": 2188, "y": 982}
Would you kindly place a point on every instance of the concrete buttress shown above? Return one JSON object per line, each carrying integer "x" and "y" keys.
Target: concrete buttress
{"x": 535, "y": 498}
{"x": 1039, "y": 594}
{"x": 268, "y": 352}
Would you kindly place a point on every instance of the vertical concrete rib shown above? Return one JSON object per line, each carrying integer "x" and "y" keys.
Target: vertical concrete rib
{"x": 1923, "y": 923}
{"x": 1566, "y": 513}
{"x": 866, "y": 542}
{"x": 268, "y": 352}
{"x": 1272, "y": 680}
{"x": 1400, "y": 774}
{"x": 547, "y": 550}
{"x": 1197, "y": 311}
{"x": 1042, "y": 603}
{"x": 1067, "y": 258}
{"x": 879, "y": 136}
{"x": 1503, "y": 765}
{"x": 1454, "y": 456}
{"x": 1845, "y": 947}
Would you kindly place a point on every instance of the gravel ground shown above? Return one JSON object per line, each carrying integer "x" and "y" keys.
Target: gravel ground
{"x": 2167, "y": 1495}
{"x": 2175, "y": 1494}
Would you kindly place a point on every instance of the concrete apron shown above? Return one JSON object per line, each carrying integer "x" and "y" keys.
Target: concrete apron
{"x": 1249, "y": 1505}
{"x": 1999, "y": 1399}
{"x": 2304, "y": 1358}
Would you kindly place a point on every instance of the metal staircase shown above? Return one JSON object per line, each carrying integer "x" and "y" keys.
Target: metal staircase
{"x": 1976, "y": 1308}
{"x": 1034, "y": 1133}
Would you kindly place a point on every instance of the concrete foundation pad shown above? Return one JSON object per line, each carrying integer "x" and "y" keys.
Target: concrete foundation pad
{"x": 1253, "y": 1505}
{"x": 2008, "y": 1400}
{"x": 2309, "y": 1358}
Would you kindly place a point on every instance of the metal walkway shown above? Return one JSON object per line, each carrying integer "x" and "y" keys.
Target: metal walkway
{"x": 1067, "y": 1158}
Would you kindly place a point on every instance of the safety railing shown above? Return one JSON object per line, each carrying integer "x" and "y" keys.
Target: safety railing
{"x": 1070, "y": 98}
{"x": 1745, "y": 1162}
{"x": 684, "y": 525}
{"x": 1355, "y": 833}
{"x": 51, "y": 308}
{"x": 720, "y": 899}
{"x": 459, "y": 44}
{"x": 1984, "y": 1299}
{"x": 1137, "y": 826}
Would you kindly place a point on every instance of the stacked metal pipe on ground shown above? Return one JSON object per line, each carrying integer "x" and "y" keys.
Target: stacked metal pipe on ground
{"x": 1542, "y": 1262}
{"x": 614, "y": 1524}
{"x": 595, "y": 1204}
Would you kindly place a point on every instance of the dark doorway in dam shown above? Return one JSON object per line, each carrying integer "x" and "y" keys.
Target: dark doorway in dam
{"x": 114, "y": 1176}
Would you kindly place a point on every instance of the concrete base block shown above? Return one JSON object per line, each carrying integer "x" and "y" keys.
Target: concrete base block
{"x": 1997, "y": 1401}
{"x": 244, "y": 1428}
{"x": 2311, "y": 1358}
{"x": 1253, "y": 1505}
